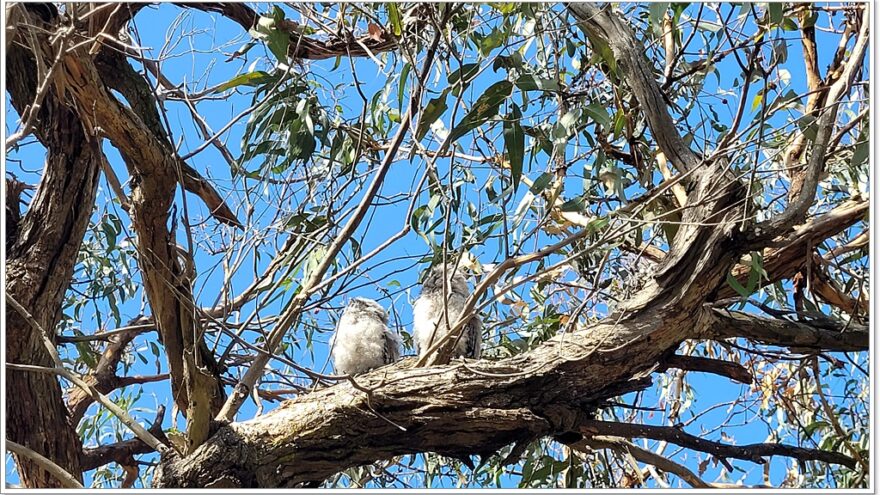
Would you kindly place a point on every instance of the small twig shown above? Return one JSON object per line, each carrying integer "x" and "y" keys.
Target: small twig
{"x": 369, "y": 394}
{"x": 752, "y": 452}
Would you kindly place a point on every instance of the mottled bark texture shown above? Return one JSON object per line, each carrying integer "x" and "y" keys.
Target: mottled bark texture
{"x": 40, "y": 257}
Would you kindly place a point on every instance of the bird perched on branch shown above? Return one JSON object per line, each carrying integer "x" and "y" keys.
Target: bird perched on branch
{"x": 430, "y": 324}
{"x": 362, "y": 340}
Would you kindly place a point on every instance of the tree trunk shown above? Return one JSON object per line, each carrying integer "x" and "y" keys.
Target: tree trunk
{"x": 39, "y": 267}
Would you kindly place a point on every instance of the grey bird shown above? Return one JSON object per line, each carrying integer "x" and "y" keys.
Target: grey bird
{"x": 429, "y": 323}
{"x": 362, "y": 340}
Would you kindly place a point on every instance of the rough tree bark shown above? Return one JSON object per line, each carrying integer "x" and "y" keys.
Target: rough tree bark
{"x": 39, "y": 266}
{"x": 167, "y": 268}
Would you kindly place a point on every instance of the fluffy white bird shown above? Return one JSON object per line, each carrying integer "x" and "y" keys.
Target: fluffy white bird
{"x": 429, "y": 323}
{"x": 362, "y": 340}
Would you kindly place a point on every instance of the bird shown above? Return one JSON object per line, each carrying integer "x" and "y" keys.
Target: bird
{"x": 430, "y": 324}
{"x": 362, "y": 340}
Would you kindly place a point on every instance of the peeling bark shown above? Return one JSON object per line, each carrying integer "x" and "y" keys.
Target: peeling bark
{"x": 39, "y": 266}
{"x": 154, "y": 172}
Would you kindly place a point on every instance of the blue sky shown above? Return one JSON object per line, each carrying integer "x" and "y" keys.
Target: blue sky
{"x": 389, "y": 277}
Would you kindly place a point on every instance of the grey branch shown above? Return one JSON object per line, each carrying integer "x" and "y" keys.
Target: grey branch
{"x": 752, "y": 452}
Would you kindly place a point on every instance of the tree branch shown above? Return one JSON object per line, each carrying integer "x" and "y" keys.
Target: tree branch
{"x": 103, "y": 378}
{"x": 792, "y": 249}
{"x": 301, "y": 47}
{"x": 643, "y": 455}
{"x": 457, "y": 410}
{"x": 599, "y": 21}
{"x": 734, "y": 371}
{"x": 770, "y": 331}
{"x": 117, "y": 72}
{"x": 155, "y": 174}
{"x": 797, "y": 208}
{"x": 123, "y": 416}
{"x": 751, "y": 452}
{"x": 122, "y": 452}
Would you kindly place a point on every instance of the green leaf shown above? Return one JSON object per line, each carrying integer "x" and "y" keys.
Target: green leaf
{"x": 514, "y": 143}
{"x": 484, "y": 109}
{"x": 490, "y": 42}
{"x": 598, "y": 113}
{"x": 860, "y": 154}
{"x": 528, "y": 82}
{"x": 576, "y": 205}
{"x": 789, "y": 25}
{"x": 110, "y": 233}
{"x": 433, "y": 110}
{"x": 598, "y": 224}
{"x": 394, "y": 17}
{"x": 757, "y": 101}
{"x": 602, "y": 50}
{"x": 512, "y": 61}
{"x": 250, "y": 79}
{"x": 541, "y": 183}
{"x": 756, "y": 271}
{"x": 401, "y": 86}
{"x": 775, "y": 10}
{"x": 734, "y": 283}
{"x": 656, "y": 12}
{"x": 464, "y": 74}
{"x": 815, "y": 425}
{"x": 278, "y": 41}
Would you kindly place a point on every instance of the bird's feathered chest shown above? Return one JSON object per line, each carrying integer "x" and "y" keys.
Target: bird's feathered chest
{"x": 430, "y": 305}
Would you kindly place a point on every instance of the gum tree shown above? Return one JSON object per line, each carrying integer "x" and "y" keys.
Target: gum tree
{"x": 645, "y": 195}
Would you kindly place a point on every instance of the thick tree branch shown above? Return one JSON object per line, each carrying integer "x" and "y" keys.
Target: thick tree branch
{"x": 818, "y": 92}
{"x": 751, "y": 452}
{"x": 302, "y": 46}
{"x": 117, "y": 72}
{"x": 459, "y": 409}
{"x": 42, "y": 251}
{"x": 770, "y": 331}
{"x": 599, "y": 21}
{"x": 167, "y": 279}
{"x": 797, "y": 208}
{"x": 822, "y": 285}
{"x": 789, "y": 253}
{"x": 791, "y": 250}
